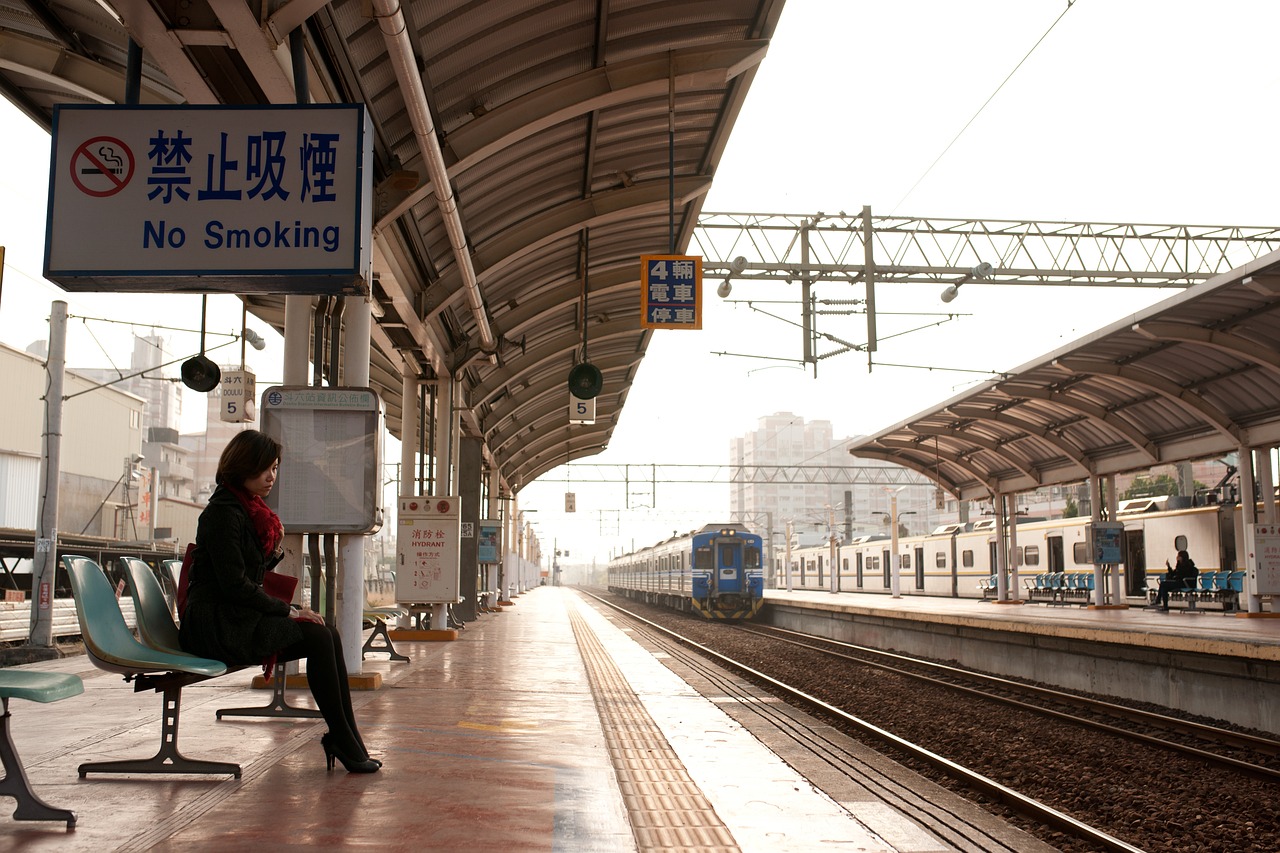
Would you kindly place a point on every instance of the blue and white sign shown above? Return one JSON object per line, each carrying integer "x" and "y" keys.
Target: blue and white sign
{"x": 270, "y": 199}
{"x": 671, "y": 291}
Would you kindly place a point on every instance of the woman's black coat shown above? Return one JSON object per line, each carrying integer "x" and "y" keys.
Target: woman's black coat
{"x": 228, "y": 616}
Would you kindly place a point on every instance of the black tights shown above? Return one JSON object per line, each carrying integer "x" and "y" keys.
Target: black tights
{"x": 327, "y": 677}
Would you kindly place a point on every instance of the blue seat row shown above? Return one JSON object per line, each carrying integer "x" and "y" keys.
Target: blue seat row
{"x": 1060, "y": 587}
{"x": 1213, "y": 587}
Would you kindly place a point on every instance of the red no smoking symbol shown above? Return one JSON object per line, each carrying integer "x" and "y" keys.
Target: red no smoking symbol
{"x": 102, "y": 166}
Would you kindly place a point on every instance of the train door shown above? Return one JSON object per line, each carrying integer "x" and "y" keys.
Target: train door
{"x": 857, "y": 567}
{"x": 920, "y": 568}
{"x": 1056, "y": 559}
{"x": 993, "y": 562}
{"x": 1135, "y": 562}
{"x": 887, "y": 557}
{"x": 729, "y": 564}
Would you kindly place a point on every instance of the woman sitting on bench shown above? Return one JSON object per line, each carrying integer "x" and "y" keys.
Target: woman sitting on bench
{"x": 1181, "y": 577}
{"x": 228, "y": 616}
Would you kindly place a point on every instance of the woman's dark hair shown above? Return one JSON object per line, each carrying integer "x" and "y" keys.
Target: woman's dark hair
{"x": 247, "y": 455}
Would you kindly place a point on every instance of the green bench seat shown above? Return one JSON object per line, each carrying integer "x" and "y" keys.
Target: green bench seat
{"x": 34, "y": 686}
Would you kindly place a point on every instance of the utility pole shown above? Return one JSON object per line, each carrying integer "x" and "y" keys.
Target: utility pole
{"x": 45, "y": 559}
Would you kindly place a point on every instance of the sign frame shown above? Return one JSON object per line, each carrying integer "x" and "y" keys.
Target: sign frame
{"x": 211, "y": 198}
{"x": 658, "y": 295}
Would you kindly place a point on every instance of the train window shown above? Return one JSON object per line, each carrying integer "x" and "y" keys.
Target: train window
{"x": 873, "y": 563}
{"x": 1031, "y": 555}
{"x": 940, "y": 560}
{"x": 703, "y": 560}
{"x": 1080, "y": 554}
{"x": 966, "y": 559}
{"x": 751, "y": 558}
{"x": 906, "y": 561}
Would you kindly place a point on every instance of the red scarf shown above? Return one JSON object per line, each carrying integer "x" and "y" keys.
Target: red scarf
{"x": 265, "y": 522}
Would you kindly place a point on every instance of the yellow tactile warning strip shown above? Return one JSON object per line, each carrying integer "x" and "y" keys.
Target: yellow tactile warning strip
{"x": 668, "y": 811}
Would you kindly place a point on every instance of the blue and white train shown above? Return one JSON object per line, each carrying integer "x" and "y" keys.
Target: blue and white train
{"x": 958, "y": 560}
{"x": 716, "y": 571}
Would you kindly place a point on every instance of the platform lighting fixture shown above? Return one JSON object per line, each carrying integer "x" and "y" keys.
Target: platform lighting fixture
{"x": 736, "y": 267}
{"x": 981, "y": 271}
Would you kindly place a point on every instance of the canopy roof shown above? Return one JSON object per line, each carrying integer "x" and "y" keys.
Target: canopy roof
{"x": 521, "y": 166}
{"x": 1193, "y": 377}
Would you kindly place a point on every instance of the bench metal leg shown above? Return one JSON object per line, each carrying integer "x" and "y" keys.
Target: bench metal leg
{"x": 15, "y": 783}
{"x": 278, "y": 706}
{"x": 168, "y": 759}
{"x": 380, "y": 630}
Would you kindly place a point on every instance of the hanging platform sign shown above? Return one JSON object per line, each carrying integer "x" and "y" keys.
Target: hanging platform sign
{"x": 206, "y": 199}
{"x": 671, "y": 291}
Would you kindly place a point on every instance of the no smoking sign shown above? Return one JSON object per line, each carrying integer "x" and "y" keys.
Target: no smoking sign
{"x": 102, "y": 166}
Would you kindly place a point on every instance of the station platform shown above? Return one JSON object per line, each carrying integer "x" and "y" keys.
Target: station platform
{"x": 543, "y": 727}
{"x": 1222, "y": 666}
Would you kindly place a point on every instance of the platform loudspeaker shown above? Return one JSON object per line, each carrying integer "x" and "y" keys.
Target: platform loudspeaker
{"x": 200, "y": 374}
{"x": 585, "y": 381}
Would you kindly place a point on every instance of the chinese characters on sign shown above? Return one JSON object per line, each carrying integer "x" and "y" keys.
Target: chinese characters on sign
{"x": 427, "y": 550}
{"x": 671, "y": 291}
{"x": 145, "y": 197}
{"x": 1266, "y": 542}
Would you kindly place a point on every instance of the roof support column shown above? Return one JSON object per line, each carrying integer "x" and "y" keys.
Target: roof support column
{"x": 493, "y": 571}
{"x": 1249, "y": 547}
{"x": 1095, "y": 516}
{"x": 1267, "y": 489}
{"x": 1000, "y": 504}
{"x": 409, "y": 429}
{"x": 355, "y": 370}
{"x": 1113, "y": 514}
{"x": 1011, "y": 513}
{"x": 442, "y": 484}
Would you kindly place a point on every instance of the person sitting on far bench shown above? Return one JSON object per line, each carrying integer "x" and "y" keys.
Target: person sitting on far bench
{"x": 1182, "y": 576}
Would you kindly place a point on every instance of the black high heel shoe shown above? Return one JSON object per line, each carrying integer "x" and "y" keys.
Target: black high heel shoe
{"x": 331, "y": 751}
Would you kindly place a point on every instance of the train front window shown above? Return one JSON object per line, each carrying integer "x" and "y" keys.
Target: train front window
{"x": 751, "y": 557}
{"x": 703, "y": 560}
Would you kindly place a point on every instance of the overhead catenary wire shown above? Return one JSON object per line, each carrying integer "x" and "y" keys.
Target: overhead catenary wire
{"x": 989, "y": 99}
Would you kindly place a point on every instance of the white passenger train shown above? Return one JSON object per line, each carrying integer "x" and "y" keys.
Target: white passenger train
{"x": 957, "y": 560}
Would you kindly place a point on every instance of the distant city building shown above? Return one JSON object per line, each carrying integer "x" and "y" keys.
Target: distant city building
{"x": 817, "y": 507}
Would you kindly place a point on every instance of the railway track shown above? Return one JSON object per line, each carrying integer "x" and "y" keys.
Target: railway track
{"x": 1194, "y": 739}
{"x": 691, "y": 653}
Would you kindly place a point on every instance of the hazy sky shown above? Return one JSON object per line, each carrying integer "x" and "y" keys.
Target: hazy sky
{"x": 1147, "y": 111}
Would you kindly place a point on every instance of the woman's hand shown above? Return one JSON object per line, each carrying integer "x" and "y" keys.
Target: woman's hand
{"x": 306, "y": 615}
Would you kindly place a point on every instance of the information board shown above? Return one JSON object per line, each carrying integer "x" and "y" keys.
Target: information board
{"x": 329, "y": 477}
{"x": 489, "y": 545}
{"x": 1266, "y": 543}
{"x": 671, "y": 292}
{"x": 1106, "y": 538}
{"x": 428, "y": 530}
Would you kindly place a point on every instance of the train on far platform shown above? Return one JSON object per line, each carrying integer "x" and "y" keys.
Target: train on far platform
{"x": 717, "y": 572}
{"x": 958, "y": 560}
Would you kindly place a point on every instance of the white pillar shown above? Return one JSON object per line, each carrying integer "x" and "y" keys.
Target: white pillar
{"x": 1095, "y": 516}
{"x": 1012, "y": 513}
{"x": 297, "y": 336}
{"x": 1001, "y": 505}
{"x": 1249, "y": 547}
{"x": 1113, "y": 514}
{"x": 350, "y": 583}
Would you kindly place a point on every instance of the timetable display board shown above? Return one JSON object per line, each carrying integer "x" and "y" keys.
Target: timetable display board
{"x": 428, "y": 531}
{"x": 329, "y": 478}
{"x": 489, "y": 543}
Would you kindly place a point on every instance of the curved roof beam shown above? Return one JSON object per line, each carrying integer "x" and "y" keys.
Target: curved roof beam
{"x": 965, "y": 465}
{"x": 944, "y": 483}
{"x": 1094, "y": 413}
{"x": 1171, "y": 391}
{"x": 534, "y": 361}
{"x": 1017, "y": 461}
{"x": 616, "y": 84}
{"x": 607, "y": 281}
{"x": 395, "y": 34}
{"x": 62, "y": 69}
{"x": 539, "y": 457}
{"x": 509, "y": 413}
{"x": 1031, "y": 428}
{"x": 1242, "y": 348}
{"x": 618, "y": 205}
